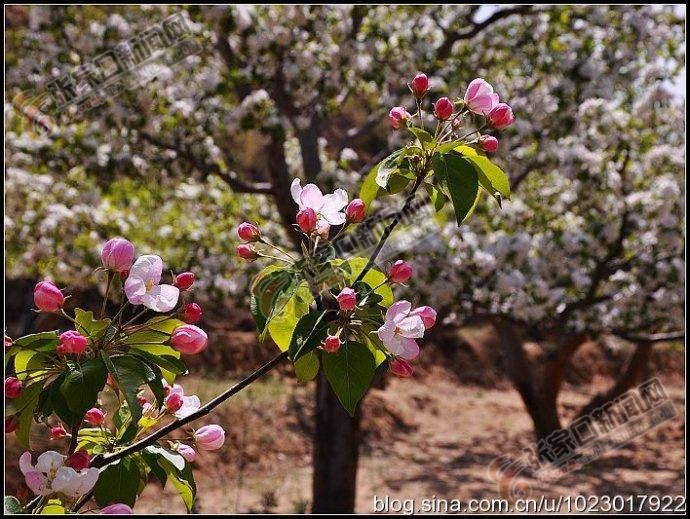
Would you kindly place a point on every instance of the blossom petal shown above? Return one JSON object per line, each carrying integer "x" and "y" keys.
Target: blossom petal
{"x": 148, "y": 268}
{"x": 135, "y": 289}
{"x": 50, "y": 461}
{"x": 411, "y": 327}
{"x": 296, "y": 191}
{"x": 25, "y": 463}
{"x": 334, "y": 218}
{"x": 190, "y": 404}
{"x": 398, "y": 310}
{"x": 37, "y": 482}
{"x": 387, "y": 332}
{"x": 409, "y": 349}
{"x": 161, "y": 298}
{"x": 334, "y": 202}
{"x": 311, "y": 196}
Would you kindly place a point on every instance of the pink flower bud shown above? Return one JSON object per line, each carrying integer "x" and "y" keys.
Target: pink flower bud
{"x": 11, "y": 424}
{"x": 173, "y": 402}
{"x": 443, "y": 108}
{"x": 400, "y": 368}
{"x": 247, "y": 252}
{"x": 427, "y": 314}
{"x": 80, "y": 460}
{"x": 57, "y": 432}
{"x": 191, "y": 313}
{"x": 185, "y": 280}
{"x": 143, "y": 400}
{"x": 189, "y": 339}
{"x": 488, "y": 143}
{"x": 480, "y": 97}
{"x": 72, "y": 342}
{"x": 117, "y": 255}
{"x": 419, "y": 85}
{"x": 48, "y": 297}
{"x": 400, "y": 272}
{"x": 248, "y": 232}
{"x": 13, "y": 387}
{"x": 117, "y": 508}
{"x": 306, "y": 220}
{"x": 209, "y": 437}
{"x": 355, "y": 211}
{"x": 94, "y": 416}
{"x": 398, "y": 116}
{"x": 501, "y": 116}
{"x": 332, "y": 343}
{"x": 347, "y": 299}
{"x": 187, "y": 452}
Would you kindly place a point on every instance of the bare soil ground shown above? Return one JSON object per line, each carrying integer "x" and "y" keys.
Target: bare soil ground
{"x": 432, "y": 436}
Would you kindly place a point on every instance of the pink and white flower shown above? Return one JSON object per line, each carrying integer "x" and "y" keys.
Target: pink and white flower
{"x": 329, "y": 208}
{"x": 480, "y": 97}
{"x": 190, "y": 404}
{"x": 51, "y": 475}
{"x": 143, "y": 285}
{"x": 401, "y": 327}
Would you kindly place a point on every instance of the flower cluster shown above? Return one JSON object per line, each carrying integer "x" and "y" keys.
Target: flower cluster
{"x": 58, "y": 377}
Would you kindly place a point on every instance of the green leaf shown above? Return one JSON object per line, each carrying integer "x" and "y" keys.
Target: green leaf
{"x": 31, "y": 363}
{"x": 88, "y": 324}
{"x": 13, "y": 506}
{"x": 386, "y": 168}
{"x": 26, "y": 403}
{"x": 158, "y": 350}
{"x": 182, "y": 480}
{"x": 82, "y": 384}
{"x": 461, "y": 180}
{"x": 167, "y": 362}
{"x": 151, "y": 461}
{"x": 270, "y": 292}
{"x": 52, "y": 401}
{"x": 283, "y": 324}
{"x": 307, "y": 366}
{"x": 43, "y": 341}
{"x": 372, "y": 278}
{"x": 130, "y": 373}
{"x": 424, "y": 136}
{"x": 350, "y": 371}
{"x": 437, "y": 197}
{"x": 147, "y": 337}
{"x": 176, "y": 459}
{"x": 118, "y": 483}
{"x": 309, "y": 333}
{"x": 93, "y": 439}
{"x": 163, "y": 324}
{"x": 491, "y": 177}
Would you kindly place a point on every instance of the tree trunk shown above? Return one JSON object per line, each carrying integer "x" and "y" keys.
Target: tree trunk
{"x": 632, "y": 374}
{"x": 336, "y": 453}
{"x": 280, "y": 181}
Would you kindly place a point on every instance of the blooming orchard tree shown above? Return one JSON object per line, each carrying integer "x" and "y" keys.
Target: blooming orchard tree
{"x": 343, "y": 307}
{"x": 278, "y": 92}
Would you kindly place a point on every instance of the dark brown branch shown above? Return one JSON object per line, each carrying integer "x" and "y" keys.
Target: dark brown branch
{"x": 652, "y": 338}
{"x": 206, "y": 169}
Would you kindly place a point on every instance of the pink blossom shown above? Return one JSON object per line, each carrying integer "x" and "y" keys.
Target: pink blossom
{"x": 117, "y": 255}
{"x": 398, "y": 116}
{"x": 400, "y": 368}
{"x": 51, "y": 475}
{"x": 419, "y": 85}
{"x": 190, "y": 403}
{"x": 48, "y": 297}
{"x": 400, "y": 330}
{"x": 443, "y": 108}
{"x": 248, "y": 232}
{"x": 247, "y": 252}
{"x": 355, "y": 211}
{"x": 209, "y": 437}
{"x": 143, "y": 285}
{"x": 94, "y": 416}
{"x": 191, "y": 313}
{"x": 72, "y": 342}
{"x": 488, "y": 143}
{"x": 501, "y": 116}
{"x": 189, "y": 339}
{"x": 187, "y": 452}
{"x": 480, "y": 97}
{"x": 184, "y": 281}
{"x": 347, "y": 299}
{"x": 427, "y": 314}
{"x": 117, "y": 508}
{"x": 13, "y": 387}
{"x": 400, "y": 272}
{"x": 329, "y": 208}
{"x": 332, "y": 343}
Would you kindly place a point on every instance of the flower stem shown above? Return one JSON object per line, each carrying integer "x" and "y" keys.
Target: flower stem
{"x": 107, "y": 291}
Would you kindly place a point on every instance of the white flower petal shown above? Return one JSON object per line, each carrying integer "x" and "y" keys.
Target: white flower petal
{"x": 50, "y": 461}
{"x": 398, "y": 311}
{"x": 411, "y": 327}
{"x": 148, "y": 268}
{"x": 296, "y": 191}
{"x": 161, "y": 298}
{"x": 335, "y": 201}
{"x": 135, "y": 289}
{"x": 311, "y": 196}
{"x": 190, "y": 404}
